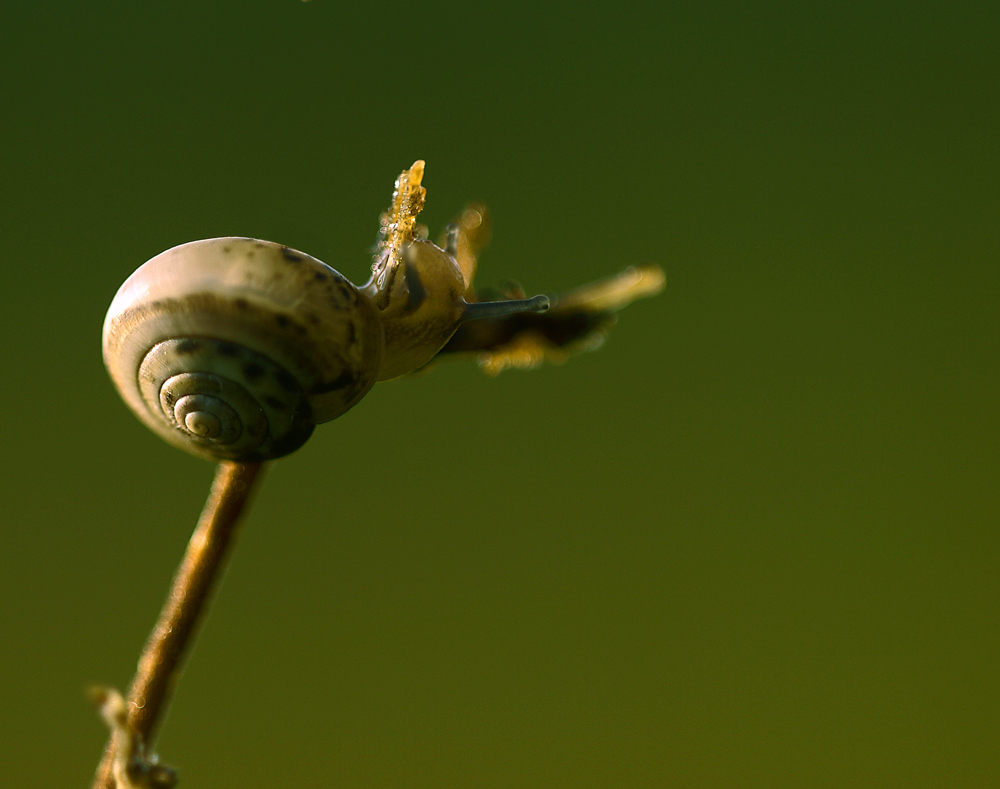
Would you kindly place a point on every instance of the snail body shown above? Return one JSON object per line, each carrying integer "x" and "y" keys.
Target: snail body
{"x": 235, "y": 348}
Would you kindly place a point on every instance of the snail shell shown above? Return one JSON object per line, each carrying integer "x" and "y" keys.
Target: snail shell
{"x": 236, "y": 348}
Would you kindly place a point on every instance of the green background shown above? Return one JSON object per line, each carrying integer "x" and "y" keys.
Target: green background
{"x": 751, "y": 542}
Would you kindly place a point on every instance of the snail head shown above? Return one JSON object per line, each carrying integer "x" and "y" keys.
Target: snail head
{"x": 421, "y": 289}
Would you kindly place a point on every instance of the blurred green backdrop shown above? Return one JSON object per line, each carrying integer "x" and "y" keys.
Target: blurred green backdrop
{"x": 752, "y": 542}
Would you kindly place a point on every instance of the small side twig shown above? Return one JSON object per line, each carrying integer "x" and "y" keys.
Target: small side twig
{"x": 190, "y": 591}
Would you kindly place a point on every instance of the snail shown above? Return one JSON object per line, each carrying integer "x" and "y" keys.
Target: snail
{"x": 236, "y": 348}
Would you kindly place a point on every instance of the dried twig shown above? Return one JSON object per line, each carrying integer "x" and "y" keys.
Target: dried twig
{"x": 191, "y": 589}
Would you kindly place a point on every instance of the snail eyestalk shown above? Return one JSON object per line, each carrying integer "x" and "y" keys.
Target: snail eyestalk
{"x": 501, "y": 309}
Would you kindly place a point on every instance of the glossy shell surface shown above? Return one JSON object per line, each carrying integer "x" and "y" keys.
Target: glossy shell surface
{"x": 235, "y": 348}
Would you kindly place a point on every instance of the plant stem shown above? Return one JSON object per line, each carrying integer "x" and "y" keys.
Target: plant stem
{"x": 190, "y": 591}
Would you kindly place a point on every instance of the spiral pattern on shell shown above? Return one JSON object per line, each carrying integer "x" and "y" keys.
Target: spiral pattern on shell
{"x": 236, "y": 348}
{"x": 225, "y": 399}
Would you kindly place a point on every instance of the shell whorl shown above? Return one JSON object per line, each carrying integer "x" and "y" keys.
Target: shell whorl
{"x": 224, "y": 400}
{"x": 236, "y": 348}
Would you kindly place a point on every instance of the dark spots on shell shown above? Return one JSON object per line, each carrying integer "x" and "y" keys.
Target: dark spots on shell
{"x": 156, "y": 305}
{"x": 291, "y": 256}
{"x": 227, "y": 248}
{"x": 242, "y": 304}
{"x": 319, "y": 276}
{"x": 313, "y": 318}
{"x": 188, "y": 346}
{"x": 287, "y": 322}
{"x": 288, "y": 383}
{"x": 168, "y": 398}
{"x": 252, "y": 371}
{"x": 352, "y": 333}
{"x": 342, "y": 381}
{"x": 228, "y": 349}
{"x": 275, "y": 403}
{"x": 346, "y": 292}
{"x": 415, "y": 286}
